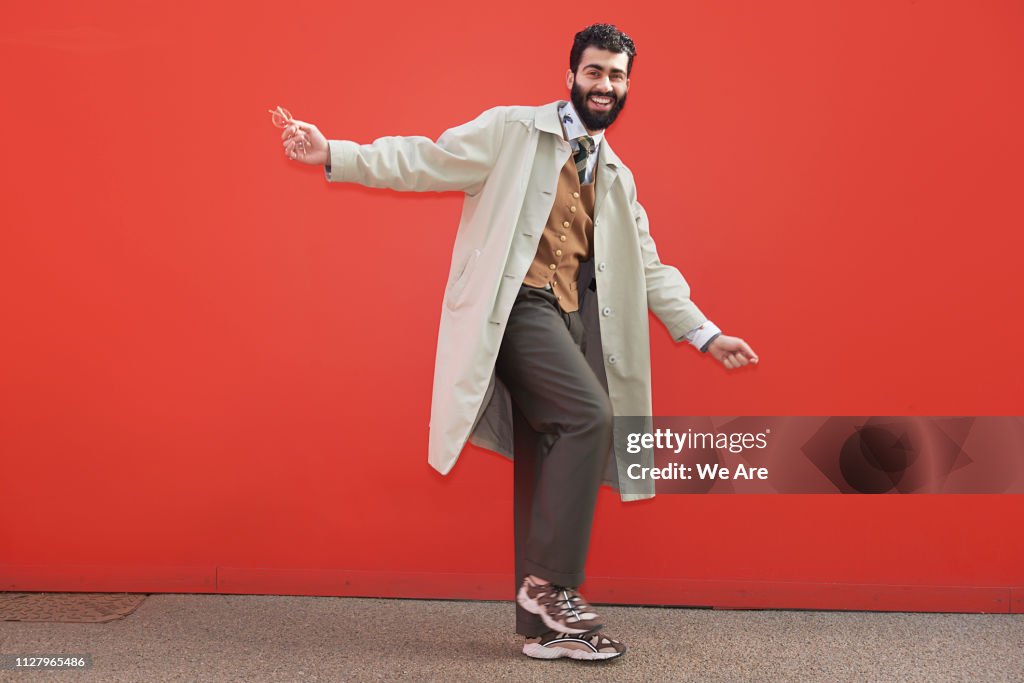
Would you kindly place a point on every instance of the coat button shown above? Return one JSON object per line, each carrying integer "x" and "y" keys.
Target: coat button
{"x": 612, "y": 359}
{"x": 565, "y": 224}
{"x": 576, "y": 194}
{"x": 558, "y": 252}
{"x": 573, "y": 209}
{"x": 552, "y": 266}
{"x": 563, "y": 238}
{"x": 601, "y": 265}
{"x": 606, "y": 311}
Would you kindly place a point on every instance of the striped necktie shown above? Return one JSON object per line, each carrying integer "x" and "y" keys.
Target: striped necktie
{"x": 586, "y": 144}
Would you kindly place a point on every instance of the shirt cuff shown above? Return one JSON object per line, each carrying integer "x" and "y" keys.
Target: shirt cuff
{"x": 702, "y": 334}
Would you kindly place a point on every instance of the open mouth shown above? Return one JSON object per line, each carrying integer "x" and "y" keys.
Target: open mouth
{"x": 601, "y": 102}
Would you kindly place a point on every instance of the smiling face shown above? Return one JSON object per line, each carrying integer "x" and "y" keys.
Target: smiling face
{"x": 598, "y": 88}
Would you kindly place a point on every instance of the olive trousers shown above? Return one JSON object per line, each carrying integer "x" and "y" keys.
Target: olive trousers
{"x": 562, "y": 426}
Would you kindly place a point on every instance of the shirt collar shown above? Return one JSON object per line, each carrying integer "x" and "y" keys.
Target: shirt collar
{"x": 574, "y": 128}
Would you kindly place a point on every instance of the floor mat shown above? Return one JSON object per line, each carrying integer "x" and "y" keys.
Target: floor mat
{"x": 68, "y": 607}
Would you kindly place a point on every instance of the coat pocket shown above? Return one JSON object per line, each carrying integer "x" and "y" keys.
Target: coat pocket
{"x": 457, "y": 292}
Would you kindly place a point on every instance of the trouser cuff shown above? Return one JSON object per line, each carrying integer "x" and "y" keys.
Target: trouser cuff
{"x": 567, "y": 579}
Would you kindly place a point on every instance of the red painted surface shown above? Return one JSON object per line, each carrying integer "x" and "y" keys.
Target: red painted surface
{"x": 215, "y": 368}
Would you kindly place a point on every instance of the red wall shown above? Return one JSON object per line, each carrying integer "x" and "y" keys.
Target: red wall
{"x": 216, "y": 368}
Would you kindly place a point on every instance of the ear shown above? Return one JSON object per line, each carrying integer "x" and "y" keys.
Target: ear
{"x": 569, "y": 79}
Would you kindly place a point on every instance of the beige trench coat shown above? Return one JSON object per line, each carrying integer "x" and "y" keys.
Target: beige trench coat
{"x": 507, "y": 162}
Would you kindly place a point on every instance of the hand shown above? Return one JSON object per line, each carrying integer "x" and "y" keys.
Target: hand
{"x": 732, "y": 352}
{"x": 304, "y": 142}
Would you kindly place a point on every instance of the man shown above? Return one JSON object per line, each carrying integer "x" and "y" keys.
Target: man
{"x": 544, "y": 333}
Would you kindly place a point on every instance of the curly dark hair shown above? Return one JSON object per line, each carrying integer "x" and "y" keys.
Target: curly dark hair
{"x": 604, "y": 36}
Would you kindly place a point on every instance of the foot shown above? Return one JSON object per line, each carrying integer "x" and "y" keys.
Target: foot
{"x": 588, "y": 646}
{"x": 562, "y": 609}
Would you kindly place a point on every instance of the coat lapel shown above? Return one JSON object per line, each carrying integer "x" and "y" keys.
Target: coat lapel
{"x": 607, "y": 171}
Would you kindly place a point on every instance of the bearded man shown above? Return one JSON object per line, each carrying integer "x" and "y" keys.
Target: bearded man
{"x": 544, "y": 331}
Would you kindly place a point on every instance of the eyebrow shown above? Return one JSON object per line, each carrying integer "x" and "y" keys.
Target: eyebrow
{"x": 601, "y": 68}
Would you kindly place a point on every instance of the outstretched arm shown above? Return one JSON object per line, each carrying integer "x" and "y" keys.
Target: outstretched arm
{"x": 460, "y": 159}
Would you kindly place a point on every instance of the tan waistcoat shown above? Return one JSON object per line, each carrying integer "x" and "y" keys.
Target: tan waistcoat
{"x": 567, "y": 239}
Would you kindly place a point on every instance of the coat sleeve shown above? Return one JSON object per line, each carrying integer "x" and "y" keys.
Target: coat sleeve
{"x": 461, "y": 159}
{"x": 668, "y": 293}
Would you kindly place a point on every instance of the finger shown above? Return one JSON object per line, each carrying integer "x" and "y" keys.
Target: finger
{"x": 297, "y": 141}
{"x": 749, "y": 352}
{"x": 727, "y": 362}
{"x": 303, "y": 126}
{"x": 291, "y": 129}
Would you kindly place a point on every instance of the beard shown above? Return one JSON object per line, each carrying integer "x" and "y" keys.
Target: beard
{"x": 596, "y": 120}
